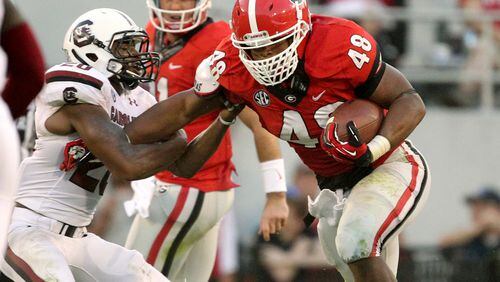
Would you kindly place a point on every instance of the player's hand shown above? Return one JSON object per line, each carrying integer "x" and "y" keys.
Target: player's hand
{"x": 229, "y": 114}
{"x": 274, "y": 215}
{"x": 230, "y": 106}
{"x": 352, "y": 151}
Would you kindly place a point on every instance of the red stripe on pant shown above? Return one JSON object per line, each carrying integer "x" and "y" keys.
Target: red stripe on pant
{"x": 21, "y": 267}
{"x": 172, "y": 218}
{"x": 399, "y": 206}
{"x": 216, "y": 269}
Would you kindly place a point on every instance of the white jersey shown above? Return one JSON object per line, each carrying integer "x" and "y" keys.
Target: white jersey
{"x": 71, "y": 196}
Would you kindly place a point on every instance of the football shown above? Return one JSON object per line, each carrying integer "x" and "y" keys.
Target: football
{"x": 367, "y": 116}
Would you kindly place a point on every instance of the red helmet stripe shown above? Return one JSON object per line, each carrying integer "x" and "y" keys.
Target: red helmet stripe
{"x": 251, "y": 16}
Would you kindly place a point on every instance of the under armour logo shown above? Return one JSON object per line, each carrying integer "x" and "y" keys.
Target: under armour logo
{"x": 133, "y": 102}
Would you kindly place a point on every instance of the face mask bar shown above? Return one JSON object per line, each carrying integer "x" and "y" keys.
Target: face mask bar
{"x": 132, "y": 63}
{"x": 159, "y": 17}
{"x": 275, "y": 69}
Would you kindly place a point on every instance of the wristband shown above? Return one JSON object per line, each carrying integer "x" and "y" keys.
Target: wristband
{"x": 226, "y": 123}
{"x": 273, "y": 173}
{"x": 378, "y": 147}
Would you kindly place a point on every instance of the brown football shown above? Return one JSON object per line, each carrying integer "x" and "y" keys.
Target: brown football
{"x": 367, "y": 116}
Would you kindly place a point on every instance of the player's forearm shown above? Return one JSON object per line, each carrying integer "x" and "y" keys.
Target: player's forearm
{"x": 165, "y": 118}
{"x": 157, "y": 123}
{"x": 272, "y": 166}
{"x": 266, "y": 144}
{"x": 199, "y": 150}
{"x": 404, "y": 114}
{"x": 141, "y": 161}
{"x": 109, "y": 144}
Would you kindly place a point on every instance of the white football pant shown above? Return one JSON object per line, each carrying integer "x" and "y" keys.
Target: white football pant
{"x": 179, "y": 238}
{"x": 376, "y": 211}
{"x": 37, "y": 251}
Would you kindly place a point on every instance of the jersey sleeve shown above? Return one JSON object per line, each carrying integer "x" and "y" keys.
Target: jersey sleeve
{"x": 68, "y": 84}
{"x": 362, "y": 65}
{"x": 214, "y": 74}
{"x": 207, "y": 80}
{"x": 343, "y": 50}
{"x": 211, "y": 74}
{"x": 233, "y": 98}
{"x": 73, "y": 84}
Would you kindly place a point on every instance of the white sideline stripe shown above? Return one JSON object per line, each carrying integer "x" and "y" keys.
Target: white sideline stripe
{"x": 251, "y": 16}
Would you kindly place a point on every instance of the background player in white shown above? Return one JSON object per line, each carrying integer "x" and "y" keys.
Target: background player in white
{"x": 24, "y": 81}
{"x": 79, "y": 115}
{"x": 179, "y": 237}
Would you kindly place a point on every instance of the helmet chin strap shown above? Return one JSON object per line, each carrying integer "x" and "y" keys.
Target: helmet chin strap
{"x": 116, "y": 68}
{"x": 122, "y": 84}
{"x": 129, "y": 84}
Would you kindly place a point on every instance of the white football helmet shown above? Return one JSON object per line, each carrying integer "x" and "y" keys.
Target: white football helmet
{"x": 112, "y": 43}
{"x": 178, "y": 21}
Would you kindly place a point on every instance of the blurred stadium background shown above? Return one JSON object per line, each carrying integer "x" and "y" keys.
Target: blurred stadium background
{"x": 447, "y": 48}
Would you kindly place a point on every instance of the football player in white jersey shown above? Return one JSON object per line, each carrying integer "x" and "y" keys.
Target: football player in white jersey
{"x": 79, "y": 120}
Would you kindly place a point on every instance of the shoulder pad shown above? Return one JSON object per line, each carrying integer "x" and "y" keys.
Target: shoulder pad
{"x": 353, "y": 55}
{"x": 72, "y": 84}
{"x": 206, "y": 83}
{"x": 209, "y": 37}
{"x": 80, "y": 73}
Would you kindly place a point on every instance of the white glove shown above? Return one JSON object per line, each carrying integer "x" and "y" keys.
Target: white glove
{"x": 143, "y": 194}
{"x": 328, "y": 204}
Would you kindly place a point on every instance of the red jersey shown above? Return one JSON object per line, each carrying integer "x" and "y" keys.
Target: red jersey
{"x": 341, "y": 61}
{"x": 176, "y": 74}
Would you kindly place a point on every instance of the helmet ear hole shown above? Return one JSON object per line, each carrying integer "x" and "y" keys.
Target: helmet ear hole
{"x": 92, "y": 57}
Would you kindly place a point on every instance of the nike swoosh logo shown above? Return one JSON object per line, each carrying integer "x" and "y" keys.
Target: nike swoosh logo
{"x": 317, "y": 97}
{"x": 347, "y": 151}
{"x": 174, "y": 67}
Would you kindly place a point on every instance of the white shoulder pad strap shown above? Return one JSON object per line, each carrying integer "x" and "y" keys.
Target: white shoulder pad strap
{"x": 206, "y": 83}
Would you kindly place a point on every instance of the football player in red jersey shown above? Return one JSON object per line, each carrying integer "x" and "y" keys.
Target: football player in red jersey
{"x": 180, "y": 236}
{"x": 294, "y": 70}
